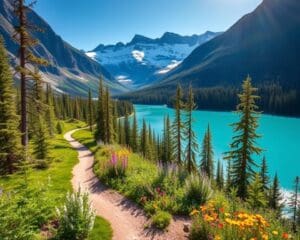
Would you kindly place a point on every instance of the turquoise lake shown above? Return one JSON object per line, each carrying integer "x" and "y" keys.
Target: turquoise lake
{"x": 280, "y": 137}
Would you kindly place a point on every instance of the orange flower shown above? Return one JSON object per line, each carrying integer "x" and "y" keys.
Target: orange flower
{"x": 285, "y": 236}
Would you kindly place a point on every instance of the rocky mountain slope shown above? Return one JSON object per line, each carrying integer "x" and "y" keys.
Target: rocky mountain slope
{"x": 69, "y": 70}
{"x": 144, "y": 60}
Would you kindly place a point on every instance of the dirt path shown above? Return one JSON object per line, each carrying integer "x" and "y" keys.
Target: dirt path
{"x": 126, "y": 218}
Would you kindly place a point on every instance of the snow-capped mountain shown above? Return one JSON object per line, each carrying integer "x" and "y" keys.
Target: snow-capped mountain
{"x": 144, "y": 60}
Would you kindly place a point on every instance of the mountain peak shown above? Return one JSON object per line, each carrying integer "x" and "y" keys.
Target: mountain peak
{"x": 140, "y": 39}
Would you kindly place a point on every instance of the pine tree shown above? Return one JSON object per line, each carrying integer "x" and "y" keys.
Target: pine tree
{"x": 90, "y": 110}
{"x": 219, "y": 176}
{"x": 115, "y": 121}
{"x": 264, "y": 174}
{"x": 50, "y": 115}
{"x": 108, "y": 117}
{"x": 228, "y": 176}
{"x": 127, "y": 129}
{"x": 10, "y": 148}
{"x": 294, "y": 203}
{"x": 207, "y": 162}
{"x": 276, "y": 196}
{"x": 192, "y": 146}
{"x": 256, "y": 197}
{"x": 167, "y": 142}
{"x": 41, "y": 140}
{"x": 134, "y": 134}
{"x": 26, "y": 43}
{"x": 76, "y": 114}
{"x": 177, "y": 126}
{"x": 59, "y": 127}
{"x": 100, "y": 126}
{"x": 144, "y": 139}
{"x": 243, "y": 145}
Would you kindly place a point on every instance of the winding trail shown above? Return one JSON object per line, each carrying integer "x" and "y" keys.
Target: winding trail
{"x": 127, "y": 219}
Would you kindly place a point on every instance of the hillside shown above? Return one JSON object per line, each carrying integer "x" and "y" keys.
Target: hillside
{"x": 69, "y": 70}
{"x": 264, "y": 44}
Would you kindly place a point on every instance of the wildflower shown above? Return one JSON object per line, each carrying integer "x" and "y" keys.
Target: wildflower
{"x": 265, "y": 236}
{"x": 194, "y": 212}
{"x": 285, "y": 236}
{"x": 227, "y": 214}
{"x": 217, "y": 237}
{"x": 275, "y": 233}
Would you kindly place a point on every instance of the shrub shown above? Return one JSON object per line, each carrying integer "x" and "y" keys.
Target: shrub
{"x": 76, "y": 219}
{"x": 197, "y": 189}
{"x": 161, "y": 219}
{"x": 59, "y": 127}
{"x": 23, "y": 213}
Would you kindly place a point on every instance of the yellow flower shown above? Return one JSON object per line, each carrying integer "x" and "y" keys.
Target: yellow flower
{"x": 217, "y": 237}
{"x": 227, "y": 214}
{"x": 194, "y": 212}
{"x": 275, "y": 233}
{"x": 265, "y": 236}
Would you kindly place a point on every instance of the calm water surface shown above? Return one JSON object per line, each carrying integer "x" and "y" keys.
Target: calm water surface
{"x": 280, "y": 137}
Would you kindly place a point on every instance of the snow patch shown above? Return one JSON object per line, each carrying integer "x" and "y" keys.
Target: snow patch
{"x": 138, "y": 55}
{"x": 168, "y": 68}
{"x": 123, "y": 79}
{"x": 91, "y": 55}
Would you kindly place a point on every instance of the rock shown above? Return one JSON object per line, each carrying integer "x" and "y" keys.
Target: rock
{"x": 186, "y": 227}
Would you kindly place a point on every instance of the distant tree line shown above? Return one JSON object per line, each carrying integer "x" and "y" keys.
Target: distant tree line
{"x": 275, "y": 99}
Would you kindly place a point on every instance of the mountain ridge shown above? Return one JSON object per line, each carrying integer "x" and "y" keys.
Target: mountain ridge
{"x": 144, "y": 60}
{"x": 69, "y": 69}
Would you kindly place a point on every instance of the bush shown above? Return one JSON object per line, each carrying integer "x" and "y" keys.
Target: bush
{"x": 59, "y": 127}
{"x": 197, "y": 189}
{"x": 23, "y": 213}
{"x": 76, "y": 219}
{"x": 161, "y": 219}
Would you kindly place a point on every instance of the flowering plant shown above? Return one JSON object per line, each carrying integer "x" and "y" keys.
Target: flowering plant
{"x": 212, "y": 222}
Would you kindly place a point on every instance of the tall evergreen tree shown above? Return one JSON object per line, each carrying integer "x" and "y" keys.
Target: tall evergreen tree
{"x": 167, "y": 142}
{"x": 134, "y": 134}
{"x": 177, "y": 126}
{"x": 207, "y": 162}
{"x": 26, "y": 43}
{"x": 127, "y": 129}
{"x": 294, "y": 203}
{"x": 190, "y": 137}
{"x": 264, "y": 174}
{"x": 228, "y": 176}
{"x": 10, "y": 148}
{"x": 90, "y": 110}
{"x": 100, "y": 126}
{"x": 219, "y": 176}
{"x": 50, "y": 114}
{"x": 144, "y": 139}
{"x": 276, "y": 196}
{"x": 243, "y": 145}
{"x": 108, "y": 117}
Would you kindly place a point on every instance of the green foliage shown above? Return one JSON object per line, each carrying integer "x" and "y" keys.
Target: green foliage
{"x": 41, "y": 140}
{"x": 10, "y": 148}
{"x": 243, "y": 145}
{"x": 161, "y": 219}
{"x": 178, "y": 126}
{"x": 23, "y": 212}
{"x": 101, "y": 231}
{"x": 189, "y": 134}
{"x": 275, "y": 197}
{"x": 256, "y": 197}
{"x": 198, "y": 189}
{"x": 59, "y": 127}
{"x": 207, "y": 162}
{"x": 76, "y": 218}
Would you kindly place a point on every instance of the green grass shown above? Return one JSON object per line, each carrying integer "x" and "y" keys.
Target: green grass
{"x": 56, "y": 178}
{"x": 101, "y": 231}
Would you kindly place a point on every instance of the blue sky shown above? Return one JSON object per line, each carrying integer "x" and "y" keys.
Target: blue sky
{"x": 87, "y": 23}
